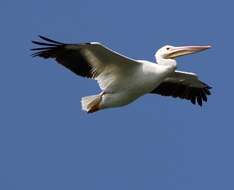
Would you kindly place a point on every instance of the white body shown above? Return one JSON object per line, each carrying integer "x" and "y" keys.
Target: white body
{"x": 134, "y": 83}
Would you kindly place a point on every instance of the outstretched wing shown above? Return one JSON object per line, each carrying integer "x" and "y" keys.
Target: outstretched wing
{"x": 184, "y": 85}
{"x": 92, "y": 60}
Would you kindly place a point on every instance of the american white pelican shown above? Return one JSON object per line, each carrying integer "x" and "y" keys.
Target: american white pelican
{"x": 123, "y": 80}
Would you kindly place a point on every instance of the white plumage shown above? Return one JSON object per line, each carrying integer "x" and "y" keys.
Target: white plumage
{"x": 123, "y": 80}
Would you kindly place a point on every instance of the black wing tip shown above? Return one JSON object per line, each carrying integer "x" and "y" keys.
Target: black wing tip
{"x": 207, "y": 86}
{"x": 199, "y": 102}
{"x": 50, "y": 40}
{"x": 47, "y": 42}
{"x": 43, "y": 43}
{"x": 197, "y": 96}
{"x": 46, "y": 47}
{"x": 202, "y": 97}
{"x": 196, "y": 102}
{"x": 207, "y": 91}
{"x": 193, "y": 100}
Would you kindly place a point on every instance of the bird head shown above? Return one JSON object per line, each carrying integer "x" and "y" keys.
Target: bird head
{"x": 168, "y": 52}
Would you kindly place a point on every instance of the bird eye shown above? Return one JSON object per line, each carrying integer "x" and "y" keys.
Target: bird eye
{"x": 168, "y": 48}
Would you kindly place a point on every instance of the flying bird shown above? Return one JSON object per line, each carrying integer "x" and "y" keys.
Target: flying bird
{"x": 121, "y": 79}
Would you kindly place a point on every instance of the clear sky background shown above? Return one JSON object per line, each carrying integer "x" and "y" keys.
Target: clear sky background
{"x": 47, "y": 142}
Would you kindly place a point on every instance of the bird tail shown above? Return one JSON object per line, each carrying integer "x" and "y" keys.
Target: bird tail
{"x": 91, "y": 104}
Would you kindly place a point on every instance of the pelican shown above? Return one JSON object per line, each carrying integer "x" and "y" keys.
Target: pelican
{"x": 121, "y": 79}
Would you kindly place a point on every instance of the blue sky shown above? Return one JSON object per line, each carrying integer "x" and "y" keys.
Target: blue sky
{"x": 47, "y": 142}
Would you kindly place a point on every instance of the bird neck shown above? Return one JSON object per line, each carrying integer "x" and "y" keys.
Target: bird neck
{"x": 166, "y": 62}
